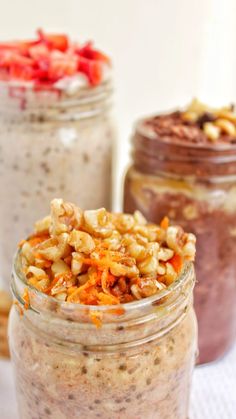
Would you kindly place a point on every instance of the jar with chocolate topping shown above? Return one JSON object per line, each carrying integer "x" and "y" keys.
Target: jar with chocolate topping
{"x": 56, "y": 132}
{"x": 184, "y": 166}
{"x": 103, "y": 322}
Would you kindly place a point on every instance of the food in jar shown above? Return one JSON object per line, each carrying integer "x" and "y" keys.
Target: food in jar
{"x": 56, "y": 131}
{"x": 184, "y": 167}
{"x": 91, "y": 261}
{"x": 96, "y": 257}
{"x": 50, "y": 58}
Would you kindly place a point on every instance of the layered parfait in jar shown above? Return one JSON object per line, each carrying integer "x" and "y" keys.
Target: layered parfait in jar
{"x": 184, "y": 165}
{"x": 56, "y": 131}
{"x": 103, "y": 323}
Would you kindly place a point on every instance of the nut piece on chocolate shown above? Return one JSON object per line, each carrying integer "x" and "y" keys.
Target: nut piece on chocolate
{"x": 197, "y": 124}
{"x": 100, "y": 258}
{"x": 215, "y": 122}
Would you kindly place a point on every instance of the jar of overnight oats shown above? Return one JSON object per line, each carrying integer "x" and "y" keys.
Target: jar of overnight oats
{"x": 129, "y": 355}
{"x": 184, "y": 166}
{"x": 56, "y": 132}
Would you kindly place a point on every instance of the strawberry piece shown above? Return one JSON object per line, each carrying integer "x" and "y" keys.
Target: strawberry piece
{"x": 21, "y": 72}
{"x": 91, "y": 69}
{"x": 7, "y": 58}
{"x": 54, "y": 41}
{"x": 87, "y": 51}
{"x": 22, "y": 47}
{"x": 39, "y": 51}
{"x": 41, "y": 56}
{"x": 62, "y": 65}
{"x": 48, "y": 58}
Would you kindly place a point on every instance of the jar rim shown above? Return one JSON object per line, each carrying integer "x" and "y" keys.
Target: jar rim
{"x": 53, "y": 103}
{"x": 127, "y": 307}
{"x": 156, "y": 154}
{"x": 28, "y": 86}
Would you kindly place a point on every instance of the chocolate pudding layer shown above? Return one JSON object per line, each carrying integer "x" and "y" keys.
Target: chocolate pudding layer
{"x": 179, "y": 171}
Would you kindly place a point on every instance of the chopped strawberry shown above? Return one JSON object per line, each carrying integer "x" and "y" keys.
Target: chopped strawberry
{"x": 87, "y": 51}
{"x": 39, "y": 51}
{"x": 91, "y": 69}
{"x": 7, "y": 58}
{"x": 21, "y": 72}
{"x": 54, "y": 41}
{"x": 22, "y": 47}
{"x": 62, "y": 65}
{"x": 41, "y": 56}
{"x": 49, "y": 58}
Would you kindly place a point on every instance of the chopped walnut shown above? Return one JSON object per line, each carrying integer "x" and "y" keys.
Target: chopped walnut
{"x": 99, "y": 258}
{"x": 214, "y": 122}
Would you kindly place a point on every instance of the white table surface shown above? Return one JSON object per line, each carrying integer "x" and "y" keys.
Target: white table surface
{"x": 213, "y": 395}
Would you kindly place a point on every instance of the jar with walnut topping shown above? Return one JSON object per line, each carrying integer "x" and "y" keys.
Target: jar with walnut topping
{"x": 56, "y": 132}
{"x": 184, "y": 166}
{"x": 103, "y": 324}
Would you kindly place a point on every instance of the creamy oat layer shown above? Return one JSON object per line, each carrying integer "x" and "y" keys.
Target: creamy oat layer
{"x": 44, "y": 158}
{"x": 151, "y": 381}
{"x": 96, "y": 257}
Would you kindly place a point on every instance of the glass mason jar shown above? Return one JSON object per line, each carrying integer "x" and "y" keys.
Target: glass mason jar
{"x": 138, "y": 364}
{"x": 195, "y": 185}
{"x": 52, "y": 144}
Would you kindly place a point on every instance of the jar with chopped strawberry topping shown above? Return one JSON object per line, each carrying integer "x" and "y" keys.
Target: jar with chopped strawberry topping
{"x": 184, "y": 166}
{"x": 103, "y": 322}
{"x": 56, "y": 131}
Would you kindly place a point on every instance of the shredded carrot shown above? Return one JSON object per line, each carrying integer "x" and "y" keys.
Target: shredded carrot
{"x": 33, "y": 241}
{"x": 105, "y": 299}
{"x": 70, "y": 290}
{"x": 165, "y": 223}
{"x": 26, "y": 299}
{"x": 177, "y": 262}
{"x": 75, "y": 295}
{"x": 46, "y": 263}
{"x": 119, "y": 311}
{"x": 96, "y": 318}
{"x": 17, "y": 304}
{"x": 94, "y": 262}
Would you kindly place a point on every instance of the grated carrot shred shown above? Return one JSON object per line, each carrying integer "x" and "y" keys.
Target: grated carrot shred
{"x": 96, "y": 318}
{"x": 177, "y": 262}
{"x": 165, "y": 222}
{"x": 26, "y": 299}
{"x": 35, "y": 240}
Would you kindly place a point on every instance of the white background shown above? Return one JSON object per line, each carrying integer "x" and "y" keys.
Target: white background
{"x": 164, "y": 51}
